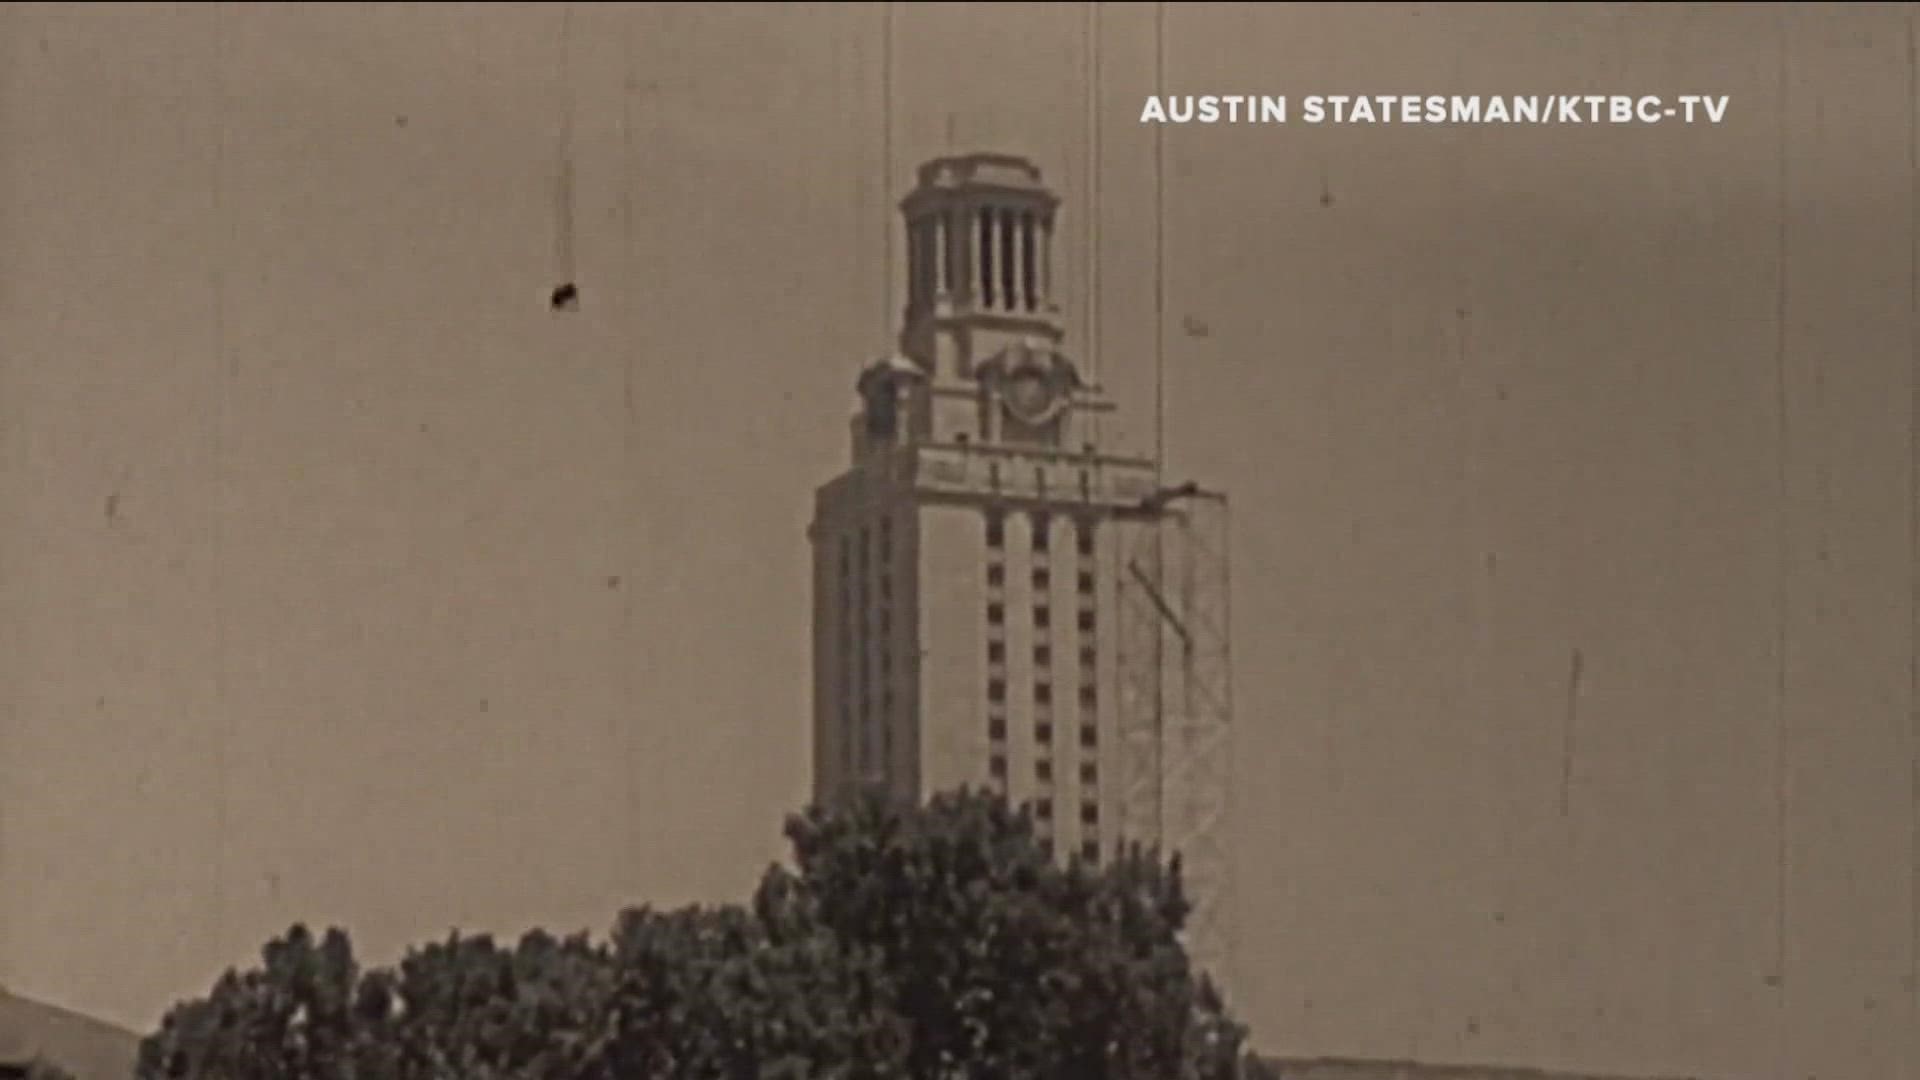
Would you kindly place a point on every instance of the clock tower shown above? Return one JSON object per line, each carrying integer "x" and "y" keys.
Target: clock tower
{"x": 967, "y": 564}
{"x": 1001, "y": 601}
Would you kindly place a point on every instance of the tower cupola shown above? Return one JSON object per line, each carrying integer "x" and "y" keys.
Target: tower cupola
{"x": 979, "y": 237}
{"x": 980, "y": 359}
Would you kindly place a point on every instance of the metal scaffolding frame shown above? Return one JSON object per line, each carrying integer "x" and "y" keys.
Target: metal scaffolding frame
{"x": 1176, "y": 704}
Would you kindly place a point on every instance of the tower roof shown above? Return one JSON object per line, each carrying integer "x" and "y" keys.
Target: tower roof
{"x": 982, "y": 171}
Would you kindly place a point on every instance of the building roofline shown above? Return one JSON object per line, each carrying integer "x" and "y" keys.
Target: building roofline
{"x": 1421, "y": 1069}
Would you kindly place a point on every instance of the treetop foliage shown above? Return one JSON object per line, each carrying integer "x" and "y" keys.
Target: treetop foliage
{"x": 920, "y": 943}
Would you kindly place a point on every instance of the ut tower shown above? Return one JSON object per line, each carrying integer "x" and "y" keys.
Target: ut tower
{"x": 999, "y": 599}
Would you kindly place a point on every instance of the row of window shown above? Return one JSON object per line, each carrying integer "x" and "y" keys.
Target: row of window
{"x": 1042, "y": 655}
{"x": 1042, "y": 688}
{"x": 1042, "y": 579}
{"x": 1042, "y": 533}
{"x": 1042, "y": 733}
{"x": 1043, "y": 770}
{"x": 1042, "y": 616}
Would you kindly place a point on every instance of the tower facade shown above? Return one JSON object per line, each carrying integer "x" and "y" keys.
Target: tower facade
{"x": 996, "y": 602}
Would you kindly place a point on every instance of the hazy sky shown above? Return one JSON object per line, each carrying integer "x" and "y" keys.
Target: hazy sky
{"x": 1571, "y": 468}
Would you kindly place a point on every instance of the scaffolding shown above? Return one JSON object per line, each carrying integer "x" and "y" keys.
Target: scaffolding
{"x": 1176, "y": 705}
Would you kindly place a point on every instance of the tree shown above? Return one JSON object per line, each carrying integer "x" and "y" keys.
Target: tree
{"x": 301, "y": 1013}
{"x": 751, "y": 993}
{"x": 466, "y": 1007}
{"x": 1004, "y": 964}
{"x": 827, "y": 1003}
{"x": 906, "y": 943}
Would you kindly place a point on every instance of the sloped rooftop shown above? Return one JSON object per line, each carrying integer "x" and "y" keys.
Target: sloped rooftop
{"x": 1365, "y": 1069}
{"x": 89, "y": 1049}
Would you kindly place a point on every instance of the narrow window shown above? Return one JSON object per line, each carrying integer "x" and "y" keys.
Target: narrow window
{"x": 986, "y": 258}
{"x": 950, "y": 256}
{"x": 929, "y": 260}
{"x": 1008, "y": 289}
{"x": 937, "y": 258}
{"x": 914, "y": 256}
{"x": 1027, "y": 260}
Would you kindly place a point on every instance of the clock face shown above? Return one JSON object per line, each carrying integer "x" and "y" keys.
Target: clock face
{"x": 1029, "y": 395}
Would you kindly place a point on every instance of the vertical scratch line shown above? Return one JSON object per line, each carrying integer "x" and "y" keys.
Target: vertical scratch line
{"x": 848, "y": 98}
{"x": 853, "y": 84}
{"x": 886, "y": 166}
{"x": 8, "y": 716}
{"x": 217, "y": 539}
{"x": 1913, "y": 549}
{"x": 629, "y": 721}
{"x": 1783, "y": 436}
{"x": 1092, "y": 227}
{"x": 563, "y": 182}
{"x": 627, "y": 167}
{"x": 1159, "y": 247}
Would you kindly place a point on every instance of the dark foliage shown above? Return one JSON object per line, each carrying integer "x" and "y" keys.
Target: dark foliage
{"x": 932, "y": 943}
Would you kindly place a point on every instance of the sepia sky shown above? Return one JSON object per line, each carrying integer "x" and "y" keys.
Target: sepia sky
{"x": 1572, "y": 474}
